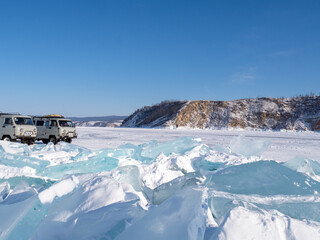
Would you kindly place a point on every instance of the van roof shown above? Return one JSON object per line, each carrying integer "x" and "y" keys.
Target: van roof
{"x": 54, "y": 116}
{"x": 13, "y": 115}
{"x": 49, "y": 116}
{"x": 9, "y": 114}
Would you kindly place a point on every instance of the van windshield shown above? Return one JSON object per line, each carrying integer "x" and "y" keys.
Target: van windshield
{"x": 65, "y": 123}
{"x": 23, "y": 121}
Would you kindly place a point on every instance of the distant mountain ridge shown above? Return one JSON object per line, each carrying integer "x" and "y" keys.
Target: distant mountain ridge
{"x": 105, "y": 121}
{"x": 103, "y": 118}
{"x": 299, "y": 113}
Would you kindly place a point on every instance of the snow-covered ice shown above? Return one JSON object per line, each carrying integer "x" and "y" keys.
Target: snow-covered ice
{"x": 117, "y": 183}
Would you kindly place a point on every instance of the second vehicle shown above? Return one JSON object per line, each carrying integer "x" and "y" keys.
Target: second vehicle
{"x": 54, "y": 128}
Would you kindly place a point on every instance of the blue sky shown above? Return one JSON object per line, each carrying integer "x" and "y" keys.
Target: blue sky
{"x": 97, "y": 58}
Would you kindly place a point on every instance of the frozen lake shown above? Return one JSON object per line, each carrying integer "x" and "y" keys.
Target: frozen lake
{"x": 284, "y": 145}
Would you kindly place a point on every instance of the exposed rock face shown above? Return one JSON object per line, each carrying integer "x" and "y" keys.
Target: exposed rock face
{"x": 301, "y": 113}
{"x": 154, "y": 116}
{"x": 316, "y": 124}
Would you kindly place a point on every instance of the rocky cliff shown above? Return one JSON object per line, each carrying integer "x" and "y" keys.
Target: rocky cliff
{"x": 300, "y": 113}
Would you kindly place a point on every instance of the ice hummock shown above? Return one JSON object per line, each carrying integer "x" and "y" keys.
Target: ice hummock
{"x": 262, "y": 178}
{"x": 181, "y": 189}
{"x": 306, "y": 166}
{"x": 247, "y": 147}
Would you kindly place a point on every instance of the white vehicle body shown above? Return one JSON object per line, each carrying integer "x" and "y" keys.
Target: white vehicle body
{"x": 55, "y": 129}
{"x": 17, "y": 127}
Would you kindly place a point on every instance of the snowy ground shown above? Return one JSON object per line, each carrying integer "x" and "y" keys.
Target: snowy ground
{"x": 115, "y": 183}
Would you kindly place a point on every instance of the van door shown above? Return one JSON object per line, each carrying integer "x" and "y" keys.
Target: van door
{"x": 52, "y": 129}
{"x": 40, "y": 129}
{"x": 8, "y": 127}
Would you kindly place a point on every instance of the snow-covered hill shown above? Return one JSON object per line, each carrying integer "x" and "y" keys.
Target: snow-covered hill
{"x": 300, "y": 113}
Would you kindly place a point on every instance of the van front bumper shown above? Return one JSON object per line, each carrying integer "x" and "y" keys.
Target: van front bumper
{"x": 69, "y": 135}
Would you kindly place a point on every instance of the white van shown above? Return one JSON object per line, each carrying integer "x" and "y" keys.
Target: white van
{"x": 15, "y": 127}
{"x": 54, "y": 128}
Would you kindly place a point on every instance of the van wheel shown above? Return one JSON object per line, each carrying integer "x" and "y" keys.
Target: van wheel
{"x": 6, "y": 138}
{"x": 68, "y": 140}
{"x": 53, "y": 140}
{"x": 30, "y": 142}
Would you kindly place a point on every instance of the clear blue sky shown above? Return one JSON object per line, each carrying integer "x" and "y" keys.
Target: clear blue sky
{"x": 97, "y": 58}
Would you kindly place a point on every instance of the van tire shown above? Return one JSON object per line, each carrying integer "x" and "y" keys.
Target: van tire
{"x": 53, "y": 140}
{"x": 6, "y": 138}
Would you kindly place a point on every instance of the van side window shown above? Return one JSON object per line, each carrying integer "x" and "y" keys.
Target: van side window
{"x": 53, "y": 123}
{"x": 47, "y": 124}
{"x": 8, "y": 121}
{"x": 39, "y": 123}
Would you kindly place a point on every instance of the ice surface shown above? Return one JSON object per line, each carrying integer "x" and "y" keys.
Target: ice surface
{"x": 247, "y": 147}
{"x": 33, "y": 213}
{"x": 4, "y": 190}
{"x": 179, "y": 146}
{"x": 92, "y": 207}
{"x": 166, "y": 190}
{"x": 15, "y": 148}
{"x": 243, "y": 223}
{"x": 95, "y": 164}
{"x": 180, "y": 189}
{"x": 304, "y": 165}
{"x": 15, "y": 207}
{"x": 14, "y": 160}
{"x": 220, "y": 203}
{"x": 58, "y": 190}
{"x": 37, "y": 183}
{"x": 183, "y": 216}
{"x": 311, "y": 209}
{"x": 7, "y": 172}
{"x": 164, "y": 169}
